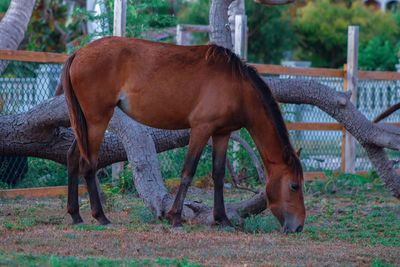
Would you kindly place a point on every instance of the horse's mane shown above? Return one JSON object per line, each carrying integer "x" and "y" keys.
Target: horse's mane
{"x": 218, "y": 54}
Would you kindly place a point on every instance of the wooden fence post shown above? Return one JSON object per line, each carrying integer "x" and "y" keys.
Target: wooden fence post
{"x": 118, "y": 30}
{"x": 351, "y": 80}
{"x": 240, "y": 42}
{"x": 342, "y": 157}
{"x": 179, "y": 34}
{"x": 119, "y": 18}
{"x": 240, "y": 49}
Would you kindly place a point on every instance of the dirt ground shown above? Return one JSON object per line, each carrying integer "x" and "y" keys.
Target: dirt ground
{"x": 41, "y": 227}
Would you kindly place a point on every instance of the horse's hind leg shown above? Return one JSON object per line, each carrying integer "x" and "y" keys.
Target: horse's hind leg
{"x": 73, "y": 178}
{"x": 220, "y": 146}
{"x": 198, "y": 139}
{"x": 95, "y": 136}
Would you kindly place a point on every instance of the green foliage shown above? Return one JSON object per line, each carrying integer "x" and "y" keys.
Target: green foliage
{"x": 42, "y": 173}
{"x": 194, "y": 13}
{"x": 146, "y": 15}
{"x": 321, "y": 27}
{"x": 15, "y": 259}
{"x": 142, "y": 16}
{"x": 4, "y": 5}
{"x": 378, "y": 54}
{"x": 270, "y": 33}
{"x": 50, "y": 29}
{"x": 172, "y": 162}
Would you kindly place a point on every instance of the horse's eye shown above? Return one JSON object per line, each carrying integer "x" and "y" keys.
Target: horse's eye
{"x": 294, "y": 187}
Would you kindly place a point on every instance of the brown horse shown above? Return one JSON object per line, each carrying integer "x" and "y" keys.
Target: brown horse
{"x": 205, "y": 88}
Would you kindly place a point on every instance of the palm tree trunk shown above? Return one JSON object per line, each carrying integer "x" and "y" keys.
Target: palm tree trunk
{"x": 13, "y": 26}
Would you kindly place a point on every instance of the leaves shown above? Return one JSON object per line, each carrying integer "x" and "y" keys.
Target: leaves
{"x": 321, "y": 27}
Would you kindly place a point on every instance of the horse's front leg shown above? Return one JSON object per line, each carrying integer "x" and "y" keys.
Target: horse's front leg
{"x": 220, "y": 146}
{"x": 198, "y": 139}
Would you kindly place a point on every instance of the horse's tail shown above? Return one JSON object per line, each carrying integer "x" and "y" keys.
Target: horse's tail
{"x": 76, "y": 116}
{"x": 59, "y": 90}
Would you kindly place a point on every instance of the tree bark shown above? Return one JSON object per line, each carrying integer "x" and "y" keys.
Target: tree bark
{"x": 142, "y": 155}
{"x": 220, "y": 31}
{"x": 13, "y": 26}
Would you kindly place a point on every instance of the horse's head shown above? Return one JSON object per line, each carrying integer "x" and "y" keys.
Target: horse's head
{"x": 285, "y": 195}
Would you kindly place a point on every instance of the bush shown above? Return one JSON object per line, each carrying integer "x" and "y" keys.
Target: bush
{"x": 321, "y": 27}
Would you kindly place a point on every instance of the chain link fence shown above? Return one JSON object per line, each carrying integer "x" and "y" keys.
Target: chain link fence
{"x": 24, "y": 85}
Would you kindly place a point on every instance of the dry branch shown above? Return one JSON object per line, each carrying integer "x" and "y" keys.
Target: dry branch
{"x": 387, "y": 112}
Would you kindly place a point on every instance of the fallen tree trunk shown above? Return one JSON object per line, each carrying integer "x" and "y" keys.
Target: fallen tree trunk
{"x": 44, "y": 132}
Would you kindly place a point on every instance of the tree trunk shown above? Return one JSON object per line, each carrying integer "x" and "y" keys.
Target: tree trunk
{"x": 13, "y": 26}
{"x": 220, "y": 31}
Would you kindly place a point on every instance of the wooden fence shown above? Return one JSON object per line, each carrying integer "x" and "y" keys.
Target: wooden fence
{"x": 41, "y": 57}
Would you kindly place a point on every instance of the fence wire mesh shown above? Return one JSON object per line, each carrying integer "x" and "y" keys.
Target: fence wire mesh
{"x": 24, "y": 85}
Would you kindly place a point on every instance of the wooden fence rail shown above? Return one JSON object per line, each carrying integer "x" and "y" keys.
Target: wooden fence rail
{"x": 46, "y": 57}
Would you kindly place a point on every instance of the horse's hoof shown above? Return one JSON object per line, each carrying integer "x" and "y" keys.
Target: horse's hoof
{"x": 78, "y": 222}
{"x": 174, "y": 219}
{"x": 76, "y": 219}
{"x": 104, "y": 221}
{"x": 225, "y": 223}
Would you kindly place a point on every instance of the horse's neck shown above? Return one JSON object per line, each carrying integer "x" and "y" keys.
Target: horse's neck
{"x": 265, "y": 137}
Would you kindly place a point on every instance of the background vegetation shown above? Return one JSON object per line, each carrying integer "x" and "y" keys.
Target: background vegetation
{"x": 315, "y": 31}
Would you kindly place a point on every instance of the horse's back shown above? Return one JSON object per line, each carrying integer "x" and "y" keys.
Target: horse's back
{"x": 161, "y": 85}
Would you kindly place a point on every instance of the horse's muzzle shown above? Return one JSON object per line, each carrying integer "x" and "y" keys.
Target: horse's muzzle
{"x": 292, "y": 226}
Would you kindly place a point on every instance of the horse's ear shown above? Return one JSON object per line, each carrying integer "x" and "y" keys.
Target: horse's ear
{"x": 298, "y": 152}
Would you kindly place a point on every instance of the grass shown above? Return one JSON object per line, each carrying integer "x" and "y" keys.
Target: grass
{"x": 21, "y": 224}
{"x": 15, "y": 259}
{"x": 89, "y": 227}
{"x": 351, "y": 208}
{"x": 348, "y": 210}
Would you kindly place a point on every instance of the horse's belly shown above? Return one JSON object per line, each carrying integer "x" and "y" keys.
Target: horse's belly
{"x": 156, "y": 113}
